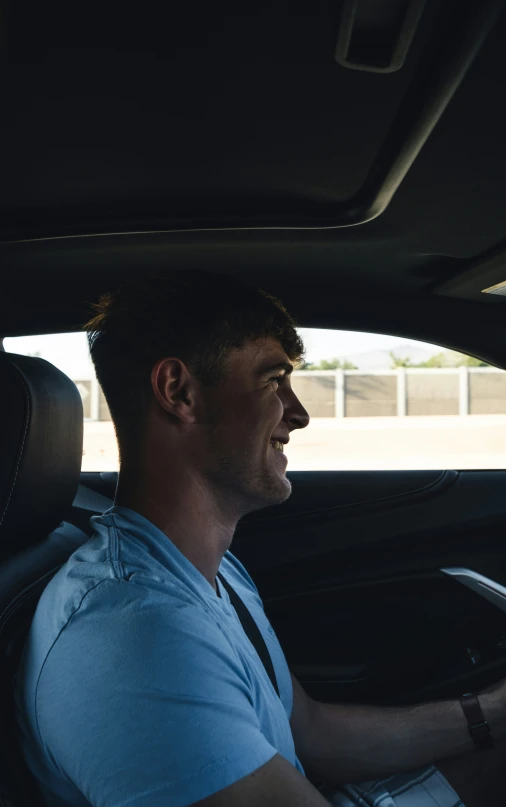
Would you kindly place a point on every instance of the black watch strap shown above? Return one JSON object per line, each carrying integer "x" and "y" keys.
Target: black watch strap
{"x": 478, "y": 726}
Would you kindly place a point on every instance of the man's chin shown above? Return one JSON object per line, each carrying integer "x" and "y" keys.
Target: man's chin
{"x": 277, "y": 490}
{"x": 267, "y": 493}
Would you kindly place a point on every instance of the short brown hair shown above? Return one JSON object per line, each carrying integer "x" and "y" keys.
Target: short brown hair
{"x": 197, "y": 316}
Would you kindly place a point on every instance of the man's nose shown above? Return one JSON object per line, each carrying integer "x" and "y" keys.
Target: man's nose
{"x": 295, "y": 414}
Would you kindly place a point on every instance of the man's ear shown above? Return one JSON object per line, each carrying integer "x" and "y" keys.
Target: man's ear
{"x": 175, "y": 389}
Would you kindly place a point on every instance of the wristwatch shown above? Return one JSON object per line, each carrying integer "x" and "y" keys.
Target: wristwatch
{"x": 478, "y": 726}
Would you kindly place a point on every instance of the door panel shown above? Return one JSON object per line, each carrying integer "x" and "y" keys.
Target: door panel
{"x": 305, "y": 527}
{"x": 395, "y": 640}
{"x": 349, "y": 571}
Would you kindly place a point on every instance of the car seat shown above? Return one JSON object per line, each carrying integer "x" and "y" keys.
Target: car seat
{"x": 41, "y": 434}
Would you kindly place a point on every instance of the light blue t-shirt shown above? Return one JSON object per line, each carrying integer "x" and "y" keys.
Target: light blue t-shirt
{"x": 138, "y": 685}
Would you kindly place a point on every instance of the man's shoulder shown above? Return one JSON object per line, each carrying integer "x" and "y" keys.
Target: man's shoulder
{"x": 121, "y": 635}
{"x": 122, "y": 619}
{"x": 75, "y": 603}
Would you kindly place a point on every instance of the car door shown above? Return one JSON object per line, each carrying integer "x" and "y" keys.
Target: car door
{"x": 353, "y": 572}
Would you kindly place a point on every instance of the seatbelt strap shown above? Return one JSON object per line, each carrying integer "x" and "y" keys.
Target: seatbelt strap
{"x": 252, "y": 631}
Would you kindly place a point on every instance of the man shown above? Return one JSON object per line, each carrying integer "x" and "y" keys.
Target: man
{"x": 138, "y": 684}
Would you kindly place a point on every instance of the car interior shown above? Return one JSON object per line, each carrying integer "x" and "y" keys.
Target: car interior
{"x": 348, "y": 157}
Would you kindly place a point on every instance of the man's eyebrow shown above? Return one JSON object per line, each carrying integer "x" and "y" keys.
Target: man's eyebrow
{"x": 274, "y": 368}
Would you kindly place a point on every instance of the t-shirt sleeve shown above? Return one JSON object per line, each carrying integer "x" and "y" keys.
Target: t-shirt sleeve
{"x": 143, "y": 703}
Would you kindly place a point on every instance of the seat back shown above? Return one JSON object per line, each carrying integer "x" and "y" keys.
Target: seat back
{"x": 41, "y": 432}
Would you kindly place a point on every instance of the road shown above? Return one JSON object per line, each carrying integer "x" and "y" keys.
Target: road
{"x": 409, "y": 443}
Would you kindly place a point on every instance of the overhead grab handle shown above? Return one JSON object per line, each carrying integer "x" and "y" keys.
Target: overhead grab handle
{"x": 376, "y": 36}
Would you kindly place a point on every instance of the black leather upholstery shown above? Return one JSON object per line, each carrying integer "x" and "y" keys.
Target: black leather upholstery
{"x": 41, "y": 431}
{"x": 41, "y": 434}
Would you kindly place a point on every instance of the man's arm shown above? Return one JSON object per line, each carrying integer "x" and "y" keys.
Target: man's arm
{"x": 275, "y": 784}
{"x": 343, "y": 743}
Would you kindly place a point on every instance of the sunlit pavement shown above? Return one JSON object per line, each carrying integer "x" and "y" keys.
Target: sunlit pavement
{"x": 415, "y": 443}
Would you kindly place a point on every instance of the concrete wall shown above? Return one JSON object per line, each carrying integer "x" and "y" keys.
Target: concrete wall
{"x": 487, "y": 393}
{"x": 409, "y": 391}
{"x": 432, "y": 394}
{"x": 318, "y": 394}
{"x": 355, "y": 394}
{"x": 370, "y": 395}
{"x": 84, "y": 388}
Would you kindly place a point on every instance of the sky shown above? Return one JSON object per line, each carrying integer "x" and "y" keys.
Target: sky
{"x": 69, "y": 352}
{"x": 325, "y": 344}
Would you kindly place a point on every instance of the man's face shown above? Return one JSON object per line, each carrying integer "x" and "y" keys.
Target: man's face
{"x": 250, "y": 414}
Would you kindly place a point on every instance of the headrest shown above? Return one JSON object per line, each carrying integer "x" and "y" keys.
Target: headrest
{"x": 41, "y": 446}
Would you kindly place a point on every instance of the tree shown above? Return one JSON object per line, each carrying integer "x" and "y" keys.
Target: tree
{"x": 438, "y": 360}
{"x": 472, "y": 361}
{"x": 451, "y": 358}
{"x": 399, "y": 361}
{"x": 329, "y": 364}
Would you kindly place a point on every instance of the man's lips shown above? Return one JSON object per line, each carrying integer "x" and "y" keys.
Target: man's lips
{"x": 280, "y": 438}
{"x": 277, "y": 446}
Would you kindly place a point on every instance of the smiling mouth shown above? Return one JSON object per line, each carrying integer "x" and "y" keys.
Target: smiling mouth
{"x": 278, "y": 445}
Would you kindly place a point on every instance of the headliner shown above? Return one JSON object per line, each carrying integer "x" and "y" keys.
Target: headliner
{"x": 214, "y": 119}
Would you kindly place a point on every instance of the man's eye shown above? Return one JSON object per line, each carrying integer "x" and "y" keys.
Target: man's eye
{"x": 278, "y": 378}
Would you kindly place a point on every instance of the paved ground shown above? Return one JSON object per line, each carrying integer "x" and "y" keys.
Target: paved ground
{"x": 410, "y": 443}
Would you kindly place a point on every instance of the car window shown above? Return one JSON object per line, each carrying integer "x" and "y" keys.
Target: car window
{"x": 376, "y": 403}
{"x": 69, "y": 352}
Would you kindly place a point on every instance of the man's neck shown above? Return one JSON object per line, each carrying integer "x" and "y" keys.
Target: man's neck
{"x": 186, "y": 513}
